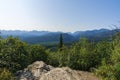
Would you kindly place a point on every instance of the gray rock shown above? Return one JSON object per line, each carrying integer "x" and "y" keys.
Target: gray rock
{"x": 61, "y": 74}
{"x": 33, "y": 71}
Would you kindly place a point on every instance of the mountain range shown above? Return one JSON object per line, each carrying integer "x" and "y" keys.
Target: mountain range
{"x": 35, "y": 37}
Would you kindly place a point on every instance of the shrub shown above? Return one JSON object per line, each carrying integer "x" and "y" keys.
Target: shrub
{"x": 6, "y": 75}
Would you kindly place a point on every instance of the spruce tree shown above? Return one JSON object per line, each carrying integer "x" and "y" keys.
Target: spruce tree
{"x": 60, "y": 42}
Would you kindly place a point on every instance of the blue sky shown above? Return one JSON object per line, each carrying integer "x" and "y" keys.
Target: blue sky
{"x": 59, "y": 15}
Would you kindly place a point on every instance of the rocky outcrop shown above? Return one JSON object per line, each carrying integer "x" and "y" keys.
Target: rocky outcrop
{"x": 66, "y": 73}
{"x": 33, "y": 71}
{"x": 41, "y": 71}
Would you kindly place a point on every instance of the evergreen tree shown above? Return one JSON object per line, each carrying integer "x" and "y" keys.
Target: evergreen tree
{"x": 60, "y": 42}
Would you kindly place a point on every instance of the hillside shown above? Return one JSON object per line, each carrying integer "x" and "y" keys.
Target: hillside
{"x": 75, "y": 61}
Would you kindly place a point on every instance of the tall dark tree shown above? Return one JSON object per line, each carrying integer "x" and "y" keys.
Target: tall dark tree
{"x": 60, "y": 42}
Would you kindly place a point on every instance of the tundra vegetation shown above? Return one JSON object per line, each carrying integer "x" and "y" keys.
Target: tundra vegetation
{"x": 102, "y": 58}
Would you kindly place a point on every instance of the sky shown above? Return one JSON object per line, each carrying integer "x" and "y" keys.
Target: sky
{"x": 59, "y": 15}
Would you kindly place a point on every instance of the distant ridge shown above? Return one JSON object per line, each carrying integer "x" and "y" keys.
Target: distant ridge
{"x": 47, "y": 36}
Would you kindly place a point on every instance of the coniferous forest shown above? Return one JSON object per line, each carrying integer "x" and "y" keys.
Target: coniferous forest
{"x": 102, "y": 58}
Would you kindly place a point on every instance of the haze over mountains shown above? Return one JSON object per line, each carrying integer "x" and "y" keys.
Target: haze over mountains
{"x": 46, "y": 36}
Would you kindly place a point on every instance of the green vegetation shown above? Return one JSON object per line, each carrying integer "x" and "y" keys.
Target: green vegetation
{"x": 110, "y": 68}
{"x": 16, "y": 55}
{"x": 101, "y": 57}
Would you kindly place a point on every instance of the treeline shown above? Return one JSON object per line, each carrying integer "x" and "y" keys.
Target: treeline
{"x": 102, "y": 57}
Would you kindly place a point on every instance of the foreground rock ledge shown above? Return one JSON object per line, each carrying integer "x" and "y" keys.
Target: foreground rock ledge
{"x": 41, "y": 71}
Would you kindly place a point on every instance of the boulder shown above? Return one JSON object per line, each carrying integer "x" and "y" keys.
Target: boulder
{"x": 33, "y": 71}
